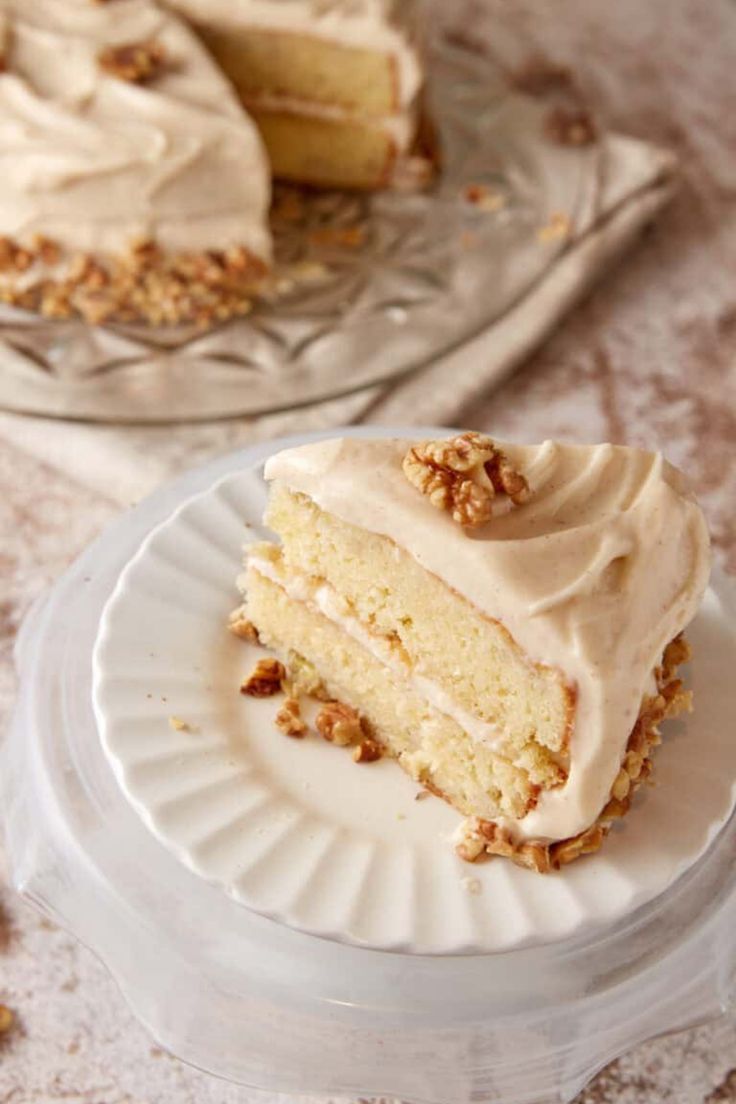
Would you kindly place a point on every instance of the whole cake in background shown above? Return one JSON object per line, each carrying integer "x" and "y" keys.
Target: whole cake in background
{"x": 335, "y": 86}
{"x": 133, "y": 186}
{"x": 504, "y": 620}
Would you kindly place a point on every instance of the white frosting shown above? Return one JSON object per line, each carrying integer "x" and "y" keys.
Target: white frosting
{"x": 366, "y": 24}
{"x": 603, "y": 566}
{"x": 94, "y": 162}
{"x": 327, "y": 601}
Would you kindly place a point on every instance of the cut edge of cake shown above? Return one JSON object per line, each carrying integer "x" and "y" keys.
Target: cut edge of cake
{"x": 337, "y": 90}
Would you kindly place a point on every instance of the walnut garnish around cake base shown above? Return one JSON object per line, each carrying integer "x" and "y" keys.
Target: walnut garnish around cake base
{"x": 477, "y": 837}
{"x": 142, "y": 285}
{"x": 367, "y": 751}
{"x": 240, "y": 626}
{"x": 463, "y": 475}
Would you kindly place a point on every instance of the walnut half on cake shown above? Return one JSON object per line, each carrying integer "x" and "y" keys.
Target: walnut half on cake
{"x": 505, "y": 618}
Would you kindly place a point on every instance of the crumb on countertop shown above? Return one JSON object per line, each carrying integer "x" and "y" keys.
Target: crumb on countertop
{"x": 180, "y": 725}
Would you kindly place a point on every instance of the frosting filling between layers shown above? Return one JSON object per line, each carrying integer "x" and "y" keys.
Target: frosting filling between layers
{"x": 326, "y": 601}
{"x": 594, "y": 575}
{"x": 400, "y": 128}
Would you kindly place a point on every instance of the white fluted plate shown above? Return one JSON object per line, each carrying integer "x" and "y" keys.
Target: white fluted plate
{"x": 295, "y": 830}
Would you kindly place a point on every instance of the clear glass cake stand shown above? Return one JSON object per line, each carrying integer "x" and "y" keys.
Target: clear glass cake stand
{"x": 250, "y": 1000}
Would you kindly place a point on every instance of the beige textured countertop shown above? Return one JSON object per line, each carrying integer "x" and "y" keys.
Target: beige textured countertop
{"x": 649, "y": 358}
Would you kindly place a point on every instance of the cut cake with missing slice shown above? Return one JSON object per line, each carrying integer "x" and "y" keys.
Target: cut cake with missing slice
{"x": 335, "y": 86}
{"x": 505, "y": 619}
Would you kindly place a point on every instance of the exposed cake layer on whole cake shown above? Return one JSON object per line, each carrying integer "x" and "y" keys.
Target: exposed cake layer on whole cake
{"x": 133, "y": 184}
{"x": 506, "y": 666}
{"x": 335, "y": 86}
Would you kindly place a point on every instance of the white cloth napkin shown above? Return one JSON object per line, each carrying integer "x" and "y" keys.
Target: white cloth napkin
{"x": 620, "y": 184}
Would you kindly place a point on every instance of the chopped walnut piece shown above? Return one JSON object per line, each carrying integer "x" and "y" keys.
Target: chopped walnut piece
{"x": 304, "y": 678}
{"x": 339, "y": 724}
{"x": 569, "y": 850}
{"x": 367, "y": 751}
{"x": 532, "y": 856}
{"x": 86, "y": 272}
{"x": 470, "y": 844}
{"x": 46, "y": 250}
{"x": 7, "y": 253}
{"x": 483, "y": 197}
{"x": 470, "y": 849}
{"x": 136, "y": 62}
{"x": 614, "y": 809}
{"x": 143, "y": 253}
{"x": 558, "y": 227}
{"x": 14, "y": 257}
{"x": 142, "y": 284}
{"x": 265, "y": 679}
{"x": 239, "y": 625}
{"x": 462, "y": 475}
{"x": 677, "y": 652}
{"x": 289, "y": 719}
{"x": 7, "y": 1019}
{"x": 570, "y": 127}
{"x": 622, "y": 785}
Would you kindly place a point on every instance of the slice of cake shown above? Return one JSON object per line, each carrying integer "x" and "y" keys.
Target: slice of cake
{"x": 504, "y": 620}
{"x": 335, "y": 85}
{"x": 133, "y": 185}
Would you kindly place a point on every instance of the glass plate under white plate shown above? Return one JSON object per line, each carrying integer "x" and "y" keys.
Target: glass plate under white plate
{"x": 267, "y": 1006}
{"x": 432, "y": 270}
{"x": 297, "y": 831}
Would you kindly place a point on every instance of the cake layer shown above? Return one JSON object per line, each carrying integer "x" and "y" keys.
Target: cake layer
{"x": 327, "y": 152}
{"x": 442, "y": 636}
{"x": 335, "y": 87}
{"x": 309, "y": 69}
{"x": 587, "y": 579}
{"x": 429, "y": 745}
